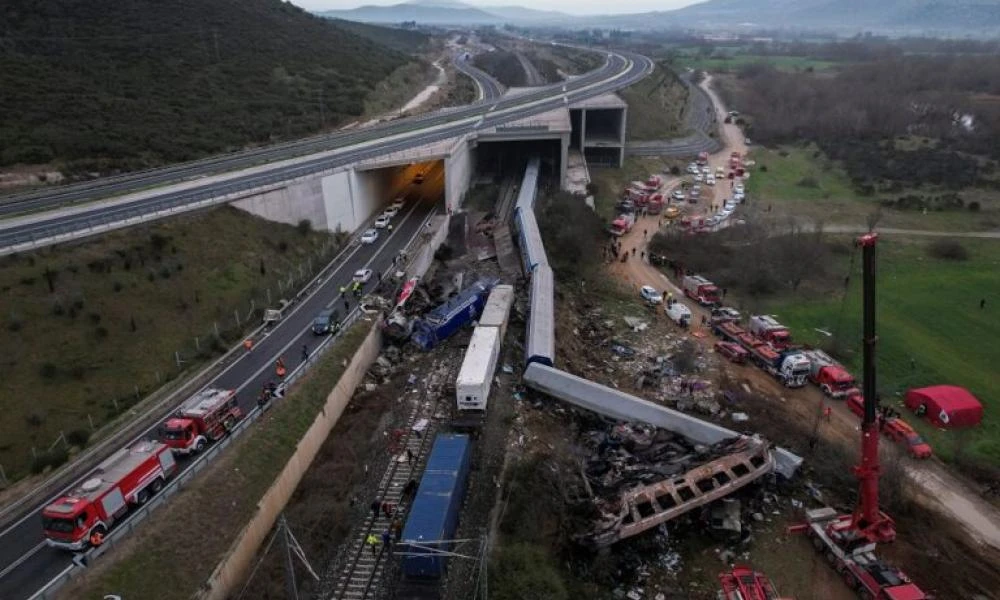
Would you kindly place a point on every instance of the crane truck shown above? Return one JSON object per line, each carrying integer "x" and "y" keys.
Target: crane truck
{"x": 849, "y": 540}
{"x": 743, "y": 583}
{"x": 204, "y": 418}
{"x": 129, "y": 477}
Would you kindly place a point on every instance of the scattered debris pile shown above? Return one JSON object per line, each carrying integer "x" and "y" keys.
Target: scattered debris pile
{"x": 639, "y": 476}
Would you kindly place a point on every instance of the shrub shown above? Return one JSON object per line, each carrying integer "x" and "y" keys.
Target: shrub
{"x": 974, "y": 206}
{"x": 117, "y": 286}
{"x": 101, "y": 333}
{"x": 28, "y": 281}
{"x": 48, "y": 370}
{"x": 15, "y": 324}
{"x": 304, "y": 227}
{"x": 58, "y": 309}
{"x": 78, "y": 437}
{"x": 763, "y": 168}
{"x": 158, "y": 242}
{"x": 165, "y": 272}
{"x": 808, "y": 182}
{"x": 948, "y": 250}
{"x": 49, "y": 459}
{"x": 675, "y": 170}
{"x": 34, "y": 420}
{"x": 282, "y": 246}
{"x": 94, "y": 318}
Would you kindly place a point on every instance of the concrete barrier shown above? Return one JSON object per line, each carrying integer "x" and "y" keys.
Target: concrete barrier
{"x": 233, "y": 569}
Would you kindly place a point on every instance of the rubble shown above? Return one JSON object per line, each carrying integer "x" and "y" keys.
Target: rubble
{"x": 639, "y": 477}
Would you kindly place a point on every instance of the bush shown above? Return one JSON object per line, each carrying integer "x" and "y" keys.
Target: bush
{"x": 808, "y": 182}
{"x": 948, "y": 250}
{"x": 34, "y": 420}
{"x": 78, "y": 437}
{"x": 15, "y": 324}
{"x": 525, "y": 571}
{"x": 304, "y": 227}
{"x": 28, "y": 281}
{"x": 974, "y": 206}
{"x": 94, "y": 318}
{"x": 158, "y": 242}
{"x": 675, "y": 170}
{"x": 101, "y": 333}
{"x": 49, "y": 459}
{"x": 165, "y": 272}
{"x": 58, "y": 310}
{"x": 763, "y": 168}
{"x": 48, "y": 371}
{"x": 117, "y": 286}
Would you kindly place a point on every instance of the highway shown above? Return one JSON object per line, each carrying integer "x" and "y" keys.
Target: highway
{"x": 489, "y": 88}
{"x": 620, "y": 70}
{"x": 26, "y": 565}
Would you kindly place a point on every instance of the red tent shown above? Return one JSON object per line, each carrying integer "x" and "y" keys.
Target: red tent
{"x": 946, "y": 406}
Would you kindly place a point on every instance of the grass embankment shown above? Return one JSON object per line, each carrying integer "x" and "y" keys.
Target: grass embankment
{"x": 393, "y": 92}
{"x": 802, "y": 181}
{"x": 220, "y": 502}
{"x": 732, "y": 62}
{"x": 117, "y": 310}
{"x": 931, "y": 330}
{"x": 656, "y": 106}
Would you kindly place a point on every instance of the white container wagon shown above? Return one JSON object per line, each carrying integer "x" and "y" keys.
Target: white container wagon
{"x": 472, "y": 388}
{"x": 497, "y": 310}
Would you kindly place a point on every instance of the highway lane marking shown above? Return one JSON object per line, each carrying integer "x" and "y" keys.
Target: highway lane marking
{"x": 24, "y": 557}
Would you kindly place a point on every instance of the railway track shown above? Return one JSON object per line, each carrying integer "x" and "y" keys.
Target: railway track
{"x": 359, "y": 574}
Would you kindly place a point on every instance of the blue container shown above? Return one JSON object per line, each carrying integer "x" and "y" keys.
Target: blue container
{"x": 443, "y": 321}
{"x": 433, "y": 517}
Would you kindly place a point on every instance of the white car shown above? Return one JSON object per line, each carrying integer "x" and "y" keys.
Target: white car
{"x": 397, "y": 204}
{"x": 390, "y": 212}
{"x": 362, "y": 275}
{"x": 383, "y": 221}
{"x": 705, "y": 169}
{"x": 710, "y": 180}
{"x": 649, "y": 294}
{"x": 726, "y": 211}
{"x": 678, "y": 195}
{"x": 738, "y": 198}
{"x": 700, "y": 177}
{"x": 739, "y": 189}
{"x": 369, "y": 236}
{"x": 692, "y": 168}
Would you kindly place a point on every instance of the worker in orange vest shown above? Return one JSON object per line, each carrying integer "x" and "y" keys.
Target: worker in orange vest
{"x": 96, "y": 538}
{"x": 827, "y": 411}
{"x": 248, "y": 344}
{"x": 279, "y": 368}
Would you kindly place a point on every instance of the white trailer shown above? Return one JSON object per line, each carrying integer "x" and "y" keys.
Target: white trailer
{"x": 497, "y": 309}
{"x": 472, "y": 388}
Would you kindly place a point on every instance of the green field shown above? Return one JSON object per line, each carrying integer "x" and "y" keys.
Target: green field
{"x": 119, "y": 307}
{"x": 931, "y": 330}
{"x": 801, "y": 181}
{"x": 735, "y": 61}
{"x": 656, "y": 107}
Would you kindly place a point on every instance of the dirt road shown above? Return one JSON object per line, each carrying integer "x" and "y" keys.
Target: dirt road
{"x": 941, "y": 490}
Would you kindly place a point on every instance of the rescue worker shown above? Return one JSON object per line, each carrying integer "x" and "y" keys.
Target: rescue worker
{"x": 248, "y": 345}
{"x": 827, "y": 411}
{"x": 372, "y": 542}
{"x": 279, "y": 368}
{"x": 305, "y": 353}
{"x": 386, "y": 539}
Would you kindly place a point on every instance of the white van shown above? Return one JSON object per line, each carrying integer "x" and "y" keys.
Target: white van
{"x": 679, "y": 313}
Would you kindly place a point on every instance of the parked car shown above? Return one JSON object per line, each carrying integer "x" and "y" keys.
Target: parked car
{"x": 397, "y": 204}
{"x": 369, "y": 236}
{"x": 710, "y": 180}
{"x": 732, "y": 352}
{"x": 383, "y": 221}
{"x": 739, "y": 198}
{"x": 692, "y": 168}
{"x": 362, "y": 275}
{"x": 720, "y": 173}
{"x": 671, "y": 212}
{"x": 705, "y": 169}
{"x": 390, "y": 212}
{"x": 739, "y": 189}
{"x": 649, "y": 294}
{"x": 678, "y": 195}
{"x": 723, "y": 314}
{"x": 700, "y": 177}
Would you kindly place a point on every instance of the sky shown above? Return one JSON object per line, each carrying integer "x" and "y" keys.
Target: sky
{"x": 577, "y": 7}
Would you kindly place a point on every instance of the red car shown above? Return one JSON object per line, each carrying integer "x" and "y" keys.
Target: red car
{"x": 733, "y": 352}
{"x": 895, "y": 429}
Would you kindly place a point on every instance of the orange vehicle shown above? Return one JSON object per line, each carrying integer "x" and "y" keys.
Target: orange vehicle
{"x": 894, "y": 428}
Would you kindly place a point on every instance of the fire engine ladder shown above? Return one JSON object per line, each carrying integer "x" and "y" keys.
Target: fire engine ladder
{"x": 361, "y": 574}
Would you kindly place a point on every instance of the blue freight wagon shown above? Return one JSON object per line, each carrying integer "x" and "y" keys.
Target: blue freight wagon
{"x": 433, "y": 517}
{"x": 443, "y": 321}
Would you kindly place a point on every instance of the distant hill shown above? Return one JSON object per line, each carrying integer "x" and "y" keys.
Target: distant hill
{"x": 515, "y": 13}
{"x": 424, "y": 13}
{"x": 105, "y": 84}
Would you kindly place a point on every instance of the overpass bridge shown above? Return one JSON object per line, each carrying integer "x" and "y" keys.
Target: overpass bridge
{"x": 337, "y": 181}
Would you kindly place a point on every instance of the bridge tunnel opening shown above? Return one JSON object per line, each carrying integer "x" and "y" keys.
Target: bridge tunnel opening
{"x": 375, "y": 189}
{"x": 502, "y": 163}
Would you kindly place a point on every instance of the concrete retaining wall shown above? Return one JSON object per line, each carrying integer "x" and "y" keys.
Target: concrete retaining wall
{"x": 290, "y": 204}
{"x": 234, "y": 568}
{"x": 458, "y": 169}
{"x": 421, "y": 262}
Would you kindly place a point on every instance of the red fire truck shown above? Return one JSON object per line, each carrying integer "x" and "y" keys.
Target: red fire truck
{"x": 203, "y": 418}
{"x": 129, "y": 477}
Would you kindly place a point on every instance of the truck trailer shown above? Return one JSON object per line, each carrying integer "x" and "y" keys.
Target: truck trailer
{"x": 431, "y": 522}
{"x": 129, "y": 477}
{"x": 767, "y": 328}
{"x": 790, "y": 367}
{"x": 442, "y": 322}
{"x": 202, "y": 419}
{"x": 472, "y": 387}
{"x": 701, "y": 290}
{"x": 831, "y": 377}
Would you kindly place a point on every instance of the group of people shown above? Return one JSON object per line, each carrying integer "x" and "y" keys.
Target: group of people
{"x": 391, "y": 533}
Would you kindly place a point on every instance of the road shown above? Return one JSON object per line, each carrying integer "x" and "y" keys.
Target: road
{"x": 698, "y": 118}
{"x": 620, "y": 70}
{"x": 531, "y": 75}
{"x": 26, "y": 565}
{"x": 488, "y": 87}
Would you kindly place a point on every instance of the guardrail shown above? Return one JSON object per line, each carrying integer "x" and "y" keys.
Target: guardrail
{"x": 120, "y": 532}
